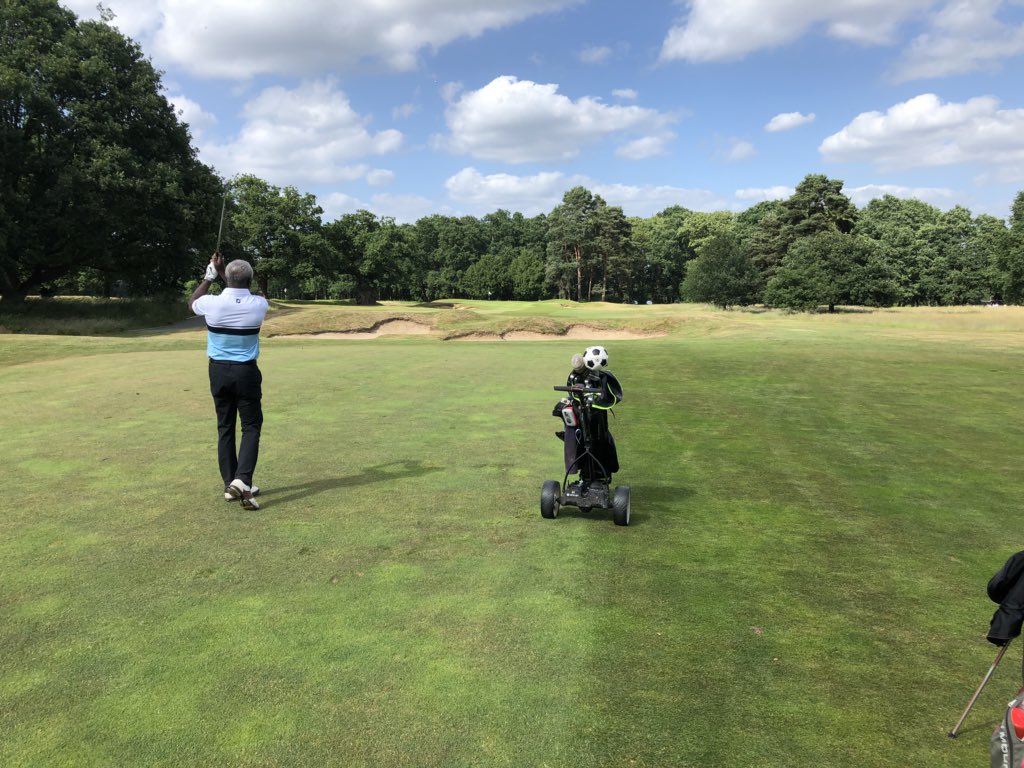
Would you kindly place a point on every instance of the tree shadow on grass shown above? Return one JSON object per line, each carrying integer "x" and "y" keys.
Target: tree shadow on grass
{"x": 381, "y": 473}
{"x": 846, "y": 311}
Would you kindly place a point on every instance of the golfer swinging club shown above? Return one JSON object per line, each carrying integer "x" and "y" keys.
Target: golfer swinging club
{"x": 233, "y": 321}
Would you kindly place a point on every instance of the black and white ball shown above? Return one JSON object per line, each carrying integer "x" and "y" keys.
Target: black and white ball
{"x": 595, "y": 358}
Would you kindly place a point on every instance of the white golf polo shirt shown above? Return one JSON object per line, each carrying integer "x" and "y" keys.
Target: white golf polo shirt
{"x": 233, "y": 321}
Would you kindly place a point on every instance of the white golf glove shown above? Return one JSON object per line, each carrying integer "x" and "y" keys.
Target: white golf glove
{"x": 211, "y": 273}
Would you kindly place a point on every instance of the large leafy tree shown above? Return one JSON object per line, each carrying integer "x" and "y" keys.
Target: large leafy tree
{"x": 958, "y": 273}
{"x": 588, "y": 244}
{"x": 818, "y": 205}
{"x": 899, "y": 226}
{"x": 527, "y": 275}
{"x": 992, "y": 245}
{"x": 278, "y": 231}
{"x": 445, "y": 247}
{"x": 722, "y": 274}
{"x": 96, "y": 171}
{"x": 661, "y": 255}
{"x": 759, "y": 229}
{"x": 489, "y": 277}
{"x": 513, "y": 265}
{"x": 700, "y": 228}
{"x": 614, "y": 261}
{"x": 830, "y": 268}
{"x": 374, "y": 253}
{"x": 1012, "y": 263}
{"x": 571, "y": 231}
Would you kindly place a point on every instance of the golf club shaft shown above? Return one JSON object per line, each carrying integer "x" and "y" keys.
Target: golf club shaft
{"x": 977, "y": 693}
{"x": 220, "y": 229}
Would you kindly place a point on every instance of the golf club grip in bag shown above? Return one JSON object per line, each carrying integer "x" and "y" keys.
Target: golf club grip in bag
{"x": 1007, "y": 589}
{"x": 1006, "y": 747}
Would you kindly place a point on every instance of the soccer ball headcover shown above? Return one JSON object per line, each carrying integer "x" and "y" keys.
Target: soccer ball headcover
{"x": 595, "y": 358}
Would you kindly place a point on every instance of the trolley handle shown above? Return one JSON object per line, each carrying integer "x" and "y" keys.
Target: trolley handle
{"x": 581, "y": 390}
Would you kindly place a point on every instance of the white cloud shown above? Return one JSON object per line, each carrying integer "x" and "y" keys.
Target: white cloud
{"x": 519, "y": 121}
{"x": 530, "y": 195}
{"x": 758, "y": 195}
{"x": 649, "y": 199}
{"x": 625, "y": 93}
{"x": 404, "y": 111}
{"x": 135, "y": 18}
{"x": 305, "y": 135}
{"x": 242, "y": 39}
{"x": 925, "y": 132}
{"x": 199, "y": 120}
{"x": 647, "y": 147}
{"x": 595, "y": 55}
{"x": 540, "y": 193}
{"x": 937, "y": 196}
{"x": 337, "y": 204}
{"x": 788, "y": 120}
{"x": 406, "y": 209}
{"x": 722, "y": 30}
{"x": 735, "y": 150}
{"x": 380, "y": 177}
{"x": 964, "y": 37}
{"x": 450, "y": 90}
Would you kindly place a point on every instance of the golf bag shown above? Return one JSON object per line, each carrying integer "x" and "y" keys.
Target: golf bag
{"x": 1006, "y": 748}
{"x": 602, "y": 460}
{"x": 1007, "y": 589}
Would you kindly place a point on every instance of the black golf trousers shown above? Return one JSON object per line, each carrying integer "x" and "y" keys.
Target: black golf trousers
{"x": 237, "y": 390}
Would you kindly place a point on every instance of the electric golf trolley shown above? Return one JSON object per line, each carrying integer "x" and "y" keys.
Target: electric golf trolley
{"x": 589, "y": 450}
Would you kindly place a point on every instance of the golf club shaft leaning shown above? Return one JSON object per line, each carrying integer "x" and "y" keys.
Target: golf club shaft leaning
{"x": 977, "y": 693}
{"x": 220, "y": 229}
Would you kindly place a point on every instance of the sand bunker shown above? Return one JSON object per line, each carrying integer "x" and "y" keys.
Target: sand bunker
{"x": 477, "y": 336}
{"x": 579, "y": 332}
{"x": 409, "y": 328}
{"x": 389, "y": 328}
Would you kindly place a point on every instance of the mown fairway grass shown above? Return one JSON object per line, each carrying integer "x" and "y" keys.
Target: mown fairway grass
{"x": 818, "y": 502}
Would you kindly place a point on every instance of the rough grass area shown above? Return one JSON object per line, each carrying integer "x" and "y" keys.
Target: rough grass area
{"x": 83, "y": 316}
{"x": 818, "y": 503}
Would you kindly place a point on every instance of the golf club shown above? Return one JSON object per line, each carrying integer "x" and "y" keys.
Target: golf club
{"x": 977, "y": 693}
{"x": 220, "y": 229}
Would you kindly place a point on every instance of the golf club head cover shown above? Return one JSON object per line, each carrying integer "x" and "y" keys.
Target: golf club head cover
{"x": 1006, "y": 577}
{"x": 1006, "y": 623}
{"x": 577, "y": 363}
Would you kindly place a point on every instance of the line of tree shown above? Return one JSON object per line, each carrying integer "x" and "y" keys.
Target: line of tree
{"x": 101, "y": 192}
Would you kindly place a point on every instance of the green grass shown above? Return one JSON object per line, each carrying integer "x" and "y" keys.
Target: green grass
{"x": 818, "y": 502}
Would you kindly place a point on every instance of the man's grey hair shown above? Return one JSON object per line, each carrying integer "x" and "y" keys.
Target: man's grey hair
{"x": 238, "y": 274}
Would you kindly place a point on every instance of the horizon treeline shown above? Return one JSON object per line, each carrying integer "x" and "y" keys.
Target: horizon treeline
{"x": 103, "y": 194}
{"x": 813, "y": 249}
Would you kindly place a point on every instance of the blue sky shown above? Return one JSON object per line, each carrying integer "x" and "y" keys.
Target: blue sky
{"x": 414, "y": 107}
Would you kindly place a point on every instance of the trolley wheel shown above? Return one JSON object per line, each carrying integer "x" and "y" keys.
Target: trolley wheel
{"x": 549, "y": 494}
{"x": 620, "y": 505}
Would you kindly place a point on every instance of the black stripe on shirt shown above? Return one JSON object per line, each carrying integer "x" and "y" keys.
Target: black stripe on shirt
{"x": 234, "y": 331}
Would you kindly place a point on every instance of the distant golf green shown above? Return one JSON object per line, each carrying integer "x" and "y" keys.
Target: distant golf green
{"x": 818, "y": 502}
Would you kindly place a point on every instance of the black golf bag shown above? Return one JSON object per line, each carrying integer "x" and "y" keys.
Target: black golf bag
{"x": 1007, "y": 589}
{"x": 1006, "y": 748}
{"x": 601, "y": 461}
